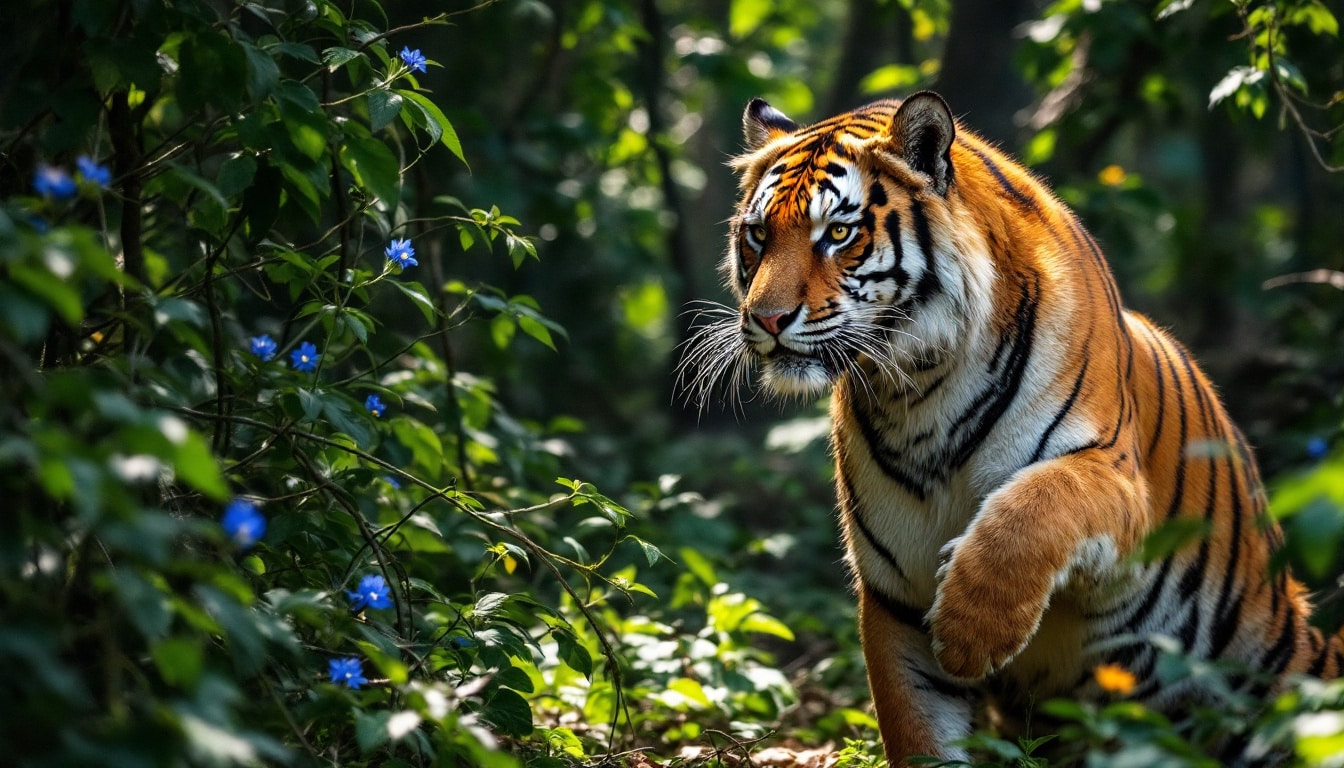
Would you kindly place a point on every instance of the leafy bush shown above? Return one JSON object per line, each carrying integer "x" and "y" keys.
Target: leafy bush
{"x": 258, "y": 512}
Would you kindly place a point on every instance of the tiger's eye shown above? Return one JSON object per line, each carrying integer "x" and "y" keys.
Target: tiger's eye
{"x": 758, "y": 233}
{"x": 839, "y": 232}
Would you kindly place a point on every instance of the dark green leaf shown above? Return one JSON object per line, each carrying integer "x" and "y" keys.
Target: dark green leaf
{"x": 372, "y": 164}
{"x": 509, "y": 712}
{"x": 435, "y": 117}
{"x": 574, "y": 654}
{"x": 384, "y": 106}
{"x": 336, "y": 57}
{"x": 235, "y": 175}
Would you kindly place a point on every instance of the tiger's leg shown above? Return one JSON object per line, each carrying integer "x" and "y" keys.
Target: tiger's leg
{"x": 918, "y": 709}
{"x": 1074, "y": 515}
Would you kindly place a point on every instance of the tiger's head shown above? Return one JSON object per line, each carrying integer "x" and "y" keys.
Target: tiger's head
{"x": 847, "y": 253}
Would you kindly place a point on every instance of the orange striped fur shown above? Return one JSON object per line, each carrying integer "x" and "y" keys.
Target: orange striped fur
{"x": 1005, "y": 433}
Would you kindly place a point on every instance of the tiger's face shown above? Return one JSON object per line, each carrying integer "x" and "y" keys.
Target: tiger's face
{"x": 832, "y": 253}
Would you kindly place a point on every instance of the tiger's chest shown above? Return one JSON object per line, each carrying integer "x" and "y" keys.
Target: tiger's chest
{"x": 912, "y": 472}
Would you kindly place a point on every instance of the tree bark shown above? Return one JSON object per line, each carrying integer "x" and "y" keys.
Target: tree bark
{"x": 978, "y": 78}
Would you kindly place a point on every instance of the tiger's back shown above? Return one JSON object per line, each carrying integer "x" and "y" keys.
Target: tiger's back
{"x": 1006, "y": 434}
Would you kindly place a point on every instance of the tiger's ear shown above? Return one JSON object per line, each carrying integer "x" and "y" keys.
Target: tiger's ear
{"x": 923, "y": 130}
{"x": 762, "y": 122}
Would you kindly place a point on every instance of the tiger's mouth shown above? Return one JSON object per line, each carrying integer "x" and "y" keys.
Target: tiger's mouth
{"x": 787, "y": 371}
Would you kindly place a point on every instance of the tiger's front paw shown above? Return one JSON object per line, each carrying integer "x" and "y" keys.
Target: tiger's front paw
{"x": 983, "y": 614}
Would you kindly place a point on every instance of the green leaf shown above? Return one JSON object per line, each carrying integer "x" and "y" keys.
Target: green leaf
{"x": 371, "y": 729}
{"x": 509, "y": 712}
{"x": 766, "y": 625}
{"x": 417, "y": 294}
{"x": 299, "y": 51}
{"x": 1315, "y": 534}
{"x": 148, "y": 607}
{"x": 488, "y": 604}
{"x": 744, "y": 16}
{"x": 340, "y": 411}
{"x": 514, "y": 678}
{"x": 1173, "y": 7}
{"x": 60, "y": 296}
{"x": 575, "y": 656}
{"x": 262, "y": 71}
{"x": 236, "y": 174}
{"x": 312, "y": 404}
{"x": 651, "y": 553}
{"x": 533, "y": 327}
{"x": 195, "y": 464}
{"x": 209, "y": 64}
{"x": 435, "y": 117}
{"x": 337, "y": 57}
{"x": 698, "y": 565}
{"x": 1172, "y": 536}
{"x": 889, "y": 78}
{"x": 384, "y": 106}
{"x": 179, "y": 661}
{"x": 373, "y": 165}
{"x": 22, "y": 316}
{"x": 1232, "y": 82}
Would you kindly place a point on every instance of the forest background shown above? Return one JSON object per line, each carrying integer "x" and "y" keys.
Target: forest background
{"x": 339, "y": 414}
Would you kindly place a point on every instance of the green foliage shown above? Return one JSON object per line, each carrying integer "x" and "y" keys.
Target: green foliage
{"x": 215, "y": 325}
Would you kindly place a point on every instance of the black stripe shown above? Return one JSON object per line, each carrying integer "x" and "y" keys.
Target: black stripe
{"x": 1278, "y": 656}
{"x": 932, "y": 683}
{"x": 877, "y": 194}
{"x": 929, "y": 282}
{"x": 1188, "y": 630}
{"x": 885, "y": 459}
{"x": 929, "y": 390}
{"x": 1083, "y": 241}
{"x": 892, "y": 224}
{"x": 1004, "y": 389}
{"x": 1319, "y": 663}
{"x": 1062, "y": 412}
{"x": 1161, "y": 394}
{"x": 1178, "y": 492}
{"x": 1145, "y": 609}
{"x": 1228, "y": 614}
{"x": 903, "y": 612}
{"x": 856, "y": 514}
{"x": 1226, "y": 624}
{"x": 845, "y": 208}
{"x": 1022, "y": 199}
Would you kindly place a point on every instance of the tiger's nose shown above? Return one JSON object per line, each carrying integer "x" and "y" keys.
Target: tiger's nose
{"x": 775, "y": 322}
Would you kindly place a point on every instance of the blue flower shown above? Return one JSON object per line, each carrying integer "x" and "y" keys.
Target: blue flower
{"x": 92, "y": 171}
{"x": 53, "y": 182}
{"x": 262, "y": 346}
{"x": 346, "y": 672}
{"x": 371, "y": 593}
{"x": 305, "y": 358}
{"x": 1317, "y": 447}
{"x": 392, "y": 481}
{"x": 463, "y": 642}
{"x": 375, "y": 406}
{"x": 401, "y": 253}
{"x": 243, "y": 522}
{"x": 414, "y": 59}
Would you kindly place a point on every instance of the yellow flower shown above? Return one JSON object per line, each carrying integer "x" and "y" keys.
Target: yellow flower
{"x": 1112, "y": 176}
{"x": 1115, "y": 678}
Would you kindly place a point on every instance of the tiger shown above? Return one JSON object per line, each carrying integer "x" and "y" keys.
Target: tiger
{"x": 1005, "y": 433}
